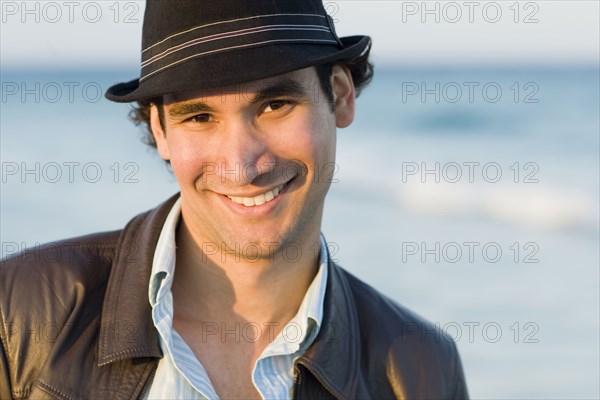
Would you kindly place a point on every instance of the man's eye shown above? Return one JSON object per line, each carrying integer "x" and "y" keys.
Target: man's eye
{"x": 202, "y": 118}
{"x": 276, "y": 105}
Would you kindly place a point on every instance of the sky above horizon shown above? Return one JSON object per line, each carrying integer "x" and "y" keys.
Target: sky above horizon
{"x": 57, "y": 35}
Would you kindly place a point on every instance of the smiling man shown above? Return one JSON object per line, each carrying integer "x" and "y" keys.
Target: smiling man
{"x": 225, "y": 290}
{"x": 256, "y": 157}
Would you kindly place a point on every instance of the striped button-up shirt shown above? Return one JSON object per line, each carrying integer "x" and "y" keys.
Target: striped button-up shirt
{"x": 180, "y": 375}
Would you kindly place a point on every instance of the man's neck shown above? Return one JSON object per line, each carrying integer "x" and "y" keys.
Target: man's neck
{"x": 240, "y": 290}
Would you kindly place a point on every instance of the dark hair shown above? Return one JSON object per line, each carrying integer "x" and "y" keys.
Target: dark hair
{"x": 360, "y": 68}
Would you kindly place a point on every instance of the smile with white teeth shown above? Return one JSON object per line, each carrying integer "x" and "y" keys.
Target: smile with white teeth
{"x": 257, "y": 200}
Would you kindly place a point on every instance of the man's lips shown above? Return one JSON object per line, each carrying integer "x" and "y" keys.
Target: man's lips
{"x": 259, "y": 199}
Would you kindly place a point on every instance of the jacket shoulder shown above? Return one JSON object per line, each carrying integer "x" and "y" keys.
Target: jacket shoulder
{"x": 417, "y": 353}
{"x": 42, "y": 290}
{"x": 391, "y": 318}
{"x": 65, "y": 261}
{"x": 64, "y": 271}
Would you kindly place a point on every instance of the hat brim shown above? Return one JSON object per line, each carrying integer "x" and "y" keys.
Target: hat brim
{"x": 236, "y": 67}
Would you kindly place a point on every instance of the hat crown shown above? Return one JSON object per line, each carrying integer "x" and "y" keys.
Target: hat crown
{"x": 164, "y": 18}
{"x": 177, "y": 31}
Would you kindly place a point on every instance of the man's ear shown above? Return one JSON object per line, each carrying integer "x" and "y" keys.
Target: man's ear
{"x": 158, "y": 132}
{"x": 343, "y": 95}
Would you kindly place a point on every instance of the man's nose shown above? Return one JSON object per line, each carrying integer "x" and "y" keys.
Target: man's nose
{"x": 246, "y": 154}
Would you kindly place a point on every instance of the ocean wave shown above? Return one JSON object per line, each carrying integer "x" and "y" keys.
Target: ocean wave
{"x": 535, "y": 207}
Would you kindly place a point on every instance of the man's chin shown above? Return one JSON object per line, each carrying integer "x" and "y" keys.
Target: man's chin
{"x": 258, "y": 248}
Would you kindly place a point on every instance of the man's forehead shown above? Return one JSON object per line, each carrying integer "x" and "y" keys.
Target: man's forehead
{"x": 300, "y": 79}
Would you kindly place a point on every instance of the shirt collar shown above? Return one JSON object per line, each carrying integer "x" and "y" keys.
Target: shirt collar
{"x": 312, "y": 304}
{"x": 163, "y": 264}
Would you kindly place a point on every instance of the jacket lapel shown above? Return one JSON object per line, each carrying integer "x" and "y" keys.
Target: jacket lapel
{"x": 127, "y": 330}
{"x": 334, "y": 358}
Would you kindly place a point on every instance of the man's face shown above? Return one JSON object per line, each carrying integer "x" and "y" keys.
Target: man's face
{"x": 255, "y": 161}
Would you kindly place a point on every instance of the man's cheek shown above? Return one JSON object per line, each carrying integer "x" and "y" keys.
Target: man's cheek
{"x": 185, "y": 167}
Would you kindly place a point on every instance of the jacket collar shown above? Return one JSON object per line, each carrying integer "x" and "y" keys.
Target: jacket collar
{"x": 339, "y": 336}
{"x": 127, "y": 330}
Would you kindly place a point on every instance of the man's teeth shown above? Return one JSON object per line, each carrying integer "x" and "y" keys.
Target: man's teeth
{"x": 257, "y": 200}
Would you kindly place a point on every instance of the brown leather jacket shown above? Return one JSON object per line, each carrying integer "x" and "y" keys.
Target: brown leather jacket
{"x": 76, "y": 324}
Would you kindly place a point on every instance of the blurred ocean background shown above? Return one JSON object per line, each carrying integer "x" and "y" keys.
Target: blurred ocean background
{"x": 523, "y": 306}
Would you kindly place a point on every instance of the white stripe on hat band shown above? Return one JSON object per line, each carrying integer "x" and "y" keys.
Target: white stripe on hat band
{"x": 228, "y": 35}
{"x": 236, "y": 47}
{"x": 227, "y": 22}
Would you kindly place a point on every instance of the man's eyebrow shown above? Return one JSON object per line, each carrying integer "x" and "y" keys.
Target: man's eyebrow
{"x": 284, "y": 88}
{"x": 190, "y": 107}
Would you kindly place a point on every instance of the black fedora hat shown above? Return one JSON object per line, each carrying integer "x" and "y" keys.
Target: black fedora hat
{"x": 206, "y": 44}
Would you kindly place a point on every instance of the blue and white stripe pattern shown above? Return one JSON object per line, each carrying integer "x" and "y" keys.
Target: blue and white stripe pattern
{"x": 181, "y": 376}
